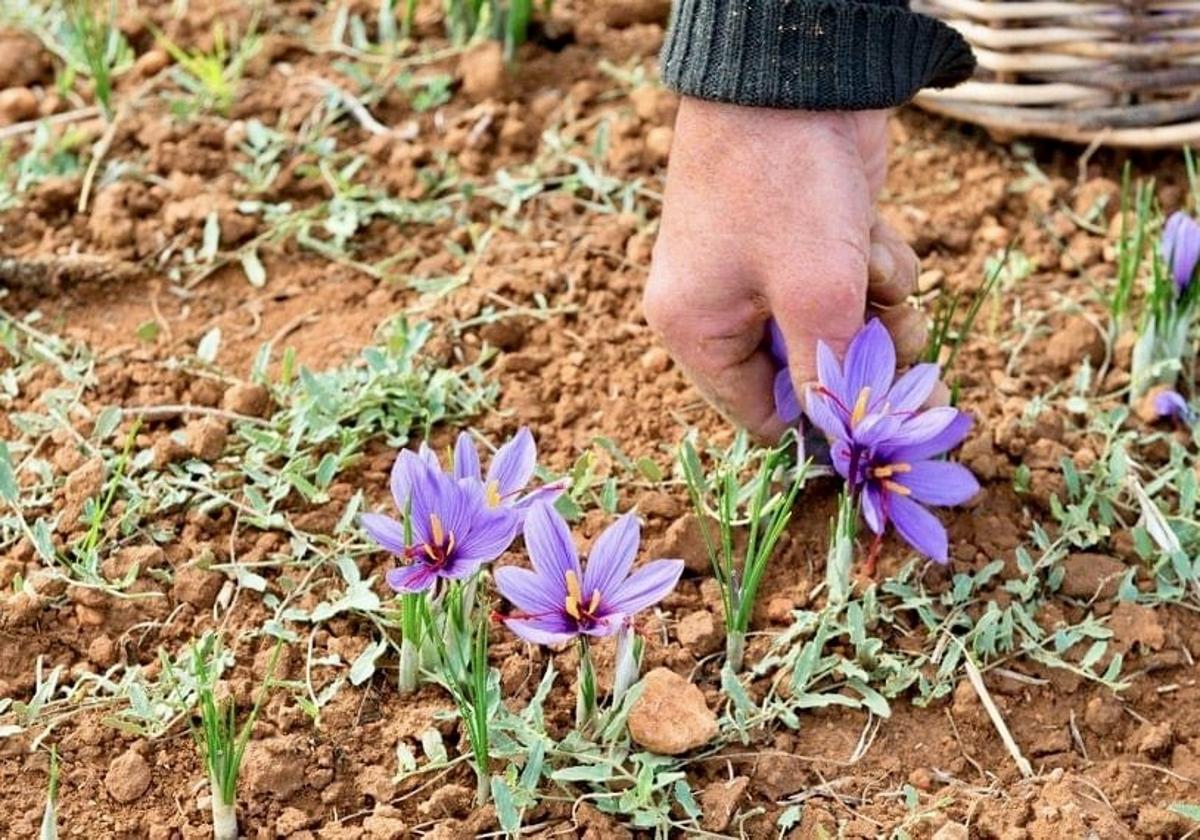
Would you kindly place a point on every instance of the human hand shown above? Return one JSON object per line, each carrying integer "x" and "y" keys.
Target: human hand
{"x": 770, "y": 214}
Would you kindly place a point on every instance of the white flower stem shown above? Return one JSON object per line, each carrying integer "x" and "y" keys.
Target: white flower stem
{"x": 224, "y": 815}
{"x": 410, "y": 666}
{"x": 628, "y": 664}
{"x": 735, "y": 649}
{"x": 483, "y": 787}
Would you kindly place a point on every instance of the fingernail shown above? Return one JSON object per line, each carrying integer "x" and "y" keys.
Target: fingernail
{"x": 881, "y": 267}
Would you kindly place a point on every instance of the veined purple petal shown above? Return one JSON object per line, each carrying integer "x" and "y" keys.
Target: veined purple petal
{"x": 913, "y": 388}
{"x": 514, "y": 463}
{"x": 1172, "y": 404}
{"x": 489, "y": 536}
{"x": 414, "y": 578}
{"x": 875, "y": 429}
{"x": 612, "y": 557}
{"x": 530, "y": 592}
{"x": 647, "y": 585}
{"x": 872, "y": 508}
{"x": 787, "y": 404}
{"x": 1180, "y": 247}
{"x": 920, "y": 428}
{"x": 549, "y": 543}
{"x": 466, "y": 458}
{"x": 945, "y": 440}
{"x": 546, "y": 494}
{"x": 405, "y": 472}
{"x": 829, "y": 372}
{"x": 920, "y": 528}
{"x": 460, "y": 566}
{"x": 939, "y": 482}
{"x": 386, "y": 531}
{"x": 424, "y": 494}
{"x": 605, "y": 625}
{"x": 543, "y": 630}
{"x": 823, "y": 414}
{"x": 425, "y": 453}
{"x": 870, "y": 362}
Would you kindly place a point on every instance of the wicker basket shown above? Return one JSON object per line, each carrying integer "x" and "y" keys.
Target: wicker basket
{"x": 1123, "y": 73}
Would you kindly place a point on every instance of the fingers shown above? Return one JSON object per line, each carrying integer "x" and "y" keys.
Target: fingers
{"x": 892, "y": 266}
{"x": 718, "y": 342}
{"x": 909, "y": 331}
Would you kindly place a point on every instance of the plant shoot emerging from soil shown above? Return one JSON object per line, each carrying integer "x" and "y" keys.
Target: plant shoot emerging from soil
{"x": 559, "y": 600}
{"x": 767, "y": 518}
{"x": 884, "y": 445}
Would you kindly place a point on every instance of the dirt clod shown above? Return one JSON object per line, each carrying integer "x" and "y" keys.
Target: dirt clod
{"x": 1077, "y": 340}
{"x": 248, "y": 398}
{"x": 274, "y": 766}
{"x": 684, "y": 541}
{"x": 720, "y": 801}
{"x": 951, "y": 831}
{"x": 206, "y": 438}
{"x": 1090, "y": 576}
{"x": 483, "y": 73}
{"x": 128, "y": 777}
{"x": 699, "y": 633}
{"x": 671, "y": 716}
{"x": 196, "y": 586}
{"x": 17, "y": 104}
{"x": 85, "y": 482}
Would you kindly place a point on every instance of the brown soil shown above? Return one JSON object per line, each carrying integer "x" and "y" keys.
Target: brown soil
{"x": 1106, "y": 765}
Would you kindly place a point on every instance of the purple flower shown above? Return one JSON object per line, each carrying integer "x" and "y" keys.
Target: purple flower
{"x": 787, "y": 405}
{"x": 1171, "y": 404}
{"x": 884, "y": 445}
{"x": 508, "y": 475}
{"x": 454, "y": 530}
{"x": 1180, "y": 247}
{"x": 558, "y": 600}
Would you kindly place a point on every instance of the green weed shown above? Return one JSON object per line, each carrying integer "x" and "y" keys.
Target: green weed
{"x": 94, "y": 47}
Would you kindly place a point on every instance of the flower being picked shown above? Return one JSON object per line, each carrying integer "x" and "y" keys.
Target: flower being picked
{"x": 884, "y": 445}
{"x": 787, "y": 404}
{"x": 1180, "y": 247}
{"x": 508, "y": 475}
{"x": 559, "y": 600}
{"x": 452, "y": 530}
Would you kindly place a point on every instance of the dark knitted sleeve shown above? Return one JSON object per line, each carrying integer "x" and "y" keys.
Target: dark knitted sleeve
{"x": 810, "y": 54}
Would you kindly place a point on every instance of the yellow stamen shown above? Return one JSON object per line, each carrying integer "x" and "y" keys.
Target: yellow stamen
{"x": 892, "y": 469}
{"x": 896, "y": 488}
{"x": 435, "y": 525}
{"x": 860, "y": 407}
{"x": 574, "y": 596}
{"x": 594, "y": 605}
{"x": 493, "y": 494}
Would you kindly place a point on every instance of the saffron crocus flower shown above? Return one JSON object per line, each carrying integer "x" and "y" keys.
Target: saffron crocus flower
{"x": 1180, "y": 247}
{"x": 453, "y": 529}
{"x": 508, "y": 475}
{"x": 884, "y": 445}
{"x": 559, "y": 600}
{"x": 787, "y": 405}
{"x": 1170, "y": 404}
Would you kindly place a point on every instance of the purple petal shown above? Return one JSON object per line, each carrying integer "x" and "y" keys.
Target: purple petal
{"x": 775, "y": 343}
{"x": 872, "y": 508}
{"x": 913, "y": 388}
{"x": 546, "y": 494}
{"x": 829, "y": 371}
{"x": 414, "y": 578}
{"x": 822, "y": 414}
{"x": 875, "y": 429}
{"x": 543, "y": 630}
{"x": 489, "y": 536}
{"x": 429, "y": 457}
{"x": 386, "y": 531}
{"x": 514, "y": 463}
{"x": 530, "y": 592}
{"x": 945, "y": 440}
{"x": 1172, "y": 404}
{"x": 939, "y": 483}
{"x": 606, "y": 625}
{"x": 787, "y": 405}
{"x": 647, "y": 585}
{"x": 612, "y": 557}
{"x": 1180, "y": 247}
{"x": 870, "y": 362}
{"x": 406, "y": 473}
{"x": 919, "y": 428}
{"x": 466, "y": 458}
{"x": 920, "y": 528}
{"x": 549, "y": 543}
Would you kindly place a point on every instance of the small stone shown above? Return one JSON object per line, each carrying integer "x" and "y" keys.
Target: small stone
{"x": 196, "y": 586}
{"x": 719, "y": 802}
{"x": 17, "y": 104}
{"x": 482, "y": 70}
{"x": 247, "y": 398}
{"x": 89, "y": 616}
{"x": 951, "y": 831}
{"x": 508, "y": 334}
{"x": 102, "y": 652}
{"x": 1089, "y": 576}
{"x": 1102, "y": 714}
{"x": 1077, "y": 340}
{"x": 921, "y": 779}
{"x": 656, "y": 360}
{"x": 670, "y": 717}
{"x": 1154, "y": 739}
{"x": 657, "y": 503}
{"x": 206, "y": 438}
{"x": 699, "y": 633}
{"x": 128, "y": 777}
{"x": 685, "y": 541}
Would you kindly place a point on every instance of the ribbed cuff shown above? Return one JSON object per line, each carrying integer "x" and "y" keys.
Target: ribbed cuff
{"x": 821, "y": 55}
